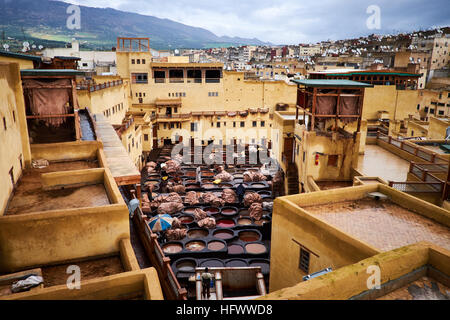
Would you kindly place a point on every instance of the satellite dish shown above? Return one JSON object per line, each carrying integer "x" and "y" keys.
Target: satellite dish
{"x": 26, "y": 44}
{"x": 6, "y": 46}
{"x": 33, "y": 46}
{"x": 41, "y": 47}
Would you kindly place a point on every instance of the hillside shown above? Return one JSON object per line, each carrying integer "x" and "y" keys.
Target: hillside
{"x": 44, "y": 22}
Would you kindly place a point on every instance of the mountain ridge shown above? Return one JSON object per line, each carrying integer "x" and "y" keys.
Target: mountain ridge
{"x": 46, "y": 20}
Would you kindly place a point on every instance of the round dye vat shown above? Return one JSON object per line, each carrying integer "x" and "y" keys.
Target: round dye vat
{"x": 229, "y": 211}
{"x": 258, "y": 185}
{"x": 186, "y": 219}
{"x": 207, "y": 181}
{"x": 216, "y": 245}
{"x": 207, "y": 174}
{"x": 262, "y": 221}
{"x": 197, "y": 233}
{"x": 244, "y": 221}
{"x": 264, "y": 193}
{"x": 190, "y": 181}
{"x": 152, "y": 182}
{"x": 236, "y": 263}
{"x": 226, "y": 185}
{"x": 171, "y": 248}
{"x": 249, "y": 236}
{"x": 255, "y": 248}
{"x": 265, "y": 266}
{"x": 186, "y": 265}
{"x": 189, "y": 210}
{"x": 225, "y": 223}
{"x": 235, "y": 249}
{"x": 212, "y": 263}
{"x": 223, "y": 234}
{"x": 208, "y": 186}
{"x": 211, "y": 210}
{"x": 238, "y": 175}
{"x": 195, "y": 246}
{"x": 243, "y": 212}
{"x": 189, "y": 173}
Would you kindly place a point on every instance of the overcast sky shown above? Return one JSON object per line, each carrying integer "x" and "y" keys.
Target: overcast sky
{"x": 290, "y": 21}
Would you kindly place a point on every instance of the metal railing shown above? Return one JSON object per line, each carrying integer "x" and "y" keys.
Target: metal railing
{"x": 424, "y": 171}
{"x": 412, "y": 149}
{"x": 91, "y": 87}
{"x": 159, "y": 261}
{"x": 414, "y": 187}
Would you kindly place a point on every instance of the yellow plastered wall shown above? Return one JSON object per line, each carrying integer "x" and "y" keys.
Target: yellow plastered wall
{"x": 347, "y": 150}
{"x": 132, "y": 140}
{"x": 23, "y": 64}
{"x": 115, "y": 99}
{"x": 14, "y": 144}
{"x": 293, "y": 226}
{"x": 291, "y": 229}
{"x": 351, "y": 281}
{"x": 437, "y": 128}
{"x": 398, "y": 103}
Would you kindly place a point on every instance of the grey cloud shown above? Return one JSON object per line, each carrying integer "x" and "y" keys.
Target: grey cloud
{"x": 289, "y": 21}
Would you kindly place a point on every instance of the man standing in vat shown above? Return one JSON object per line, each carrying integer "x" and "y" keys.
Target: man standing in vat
{"x": 240, "y": 190}
{"x": 206, "y": 284}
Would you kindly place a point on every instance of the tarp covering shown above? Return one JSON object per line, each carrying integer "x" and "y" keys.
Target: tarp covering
{"x": 255, "y": 211}
{"x": 229, "y": 196}
{"x": 192, "y": 198}
{"x": 326, "y": 105}
{"x": 209, "y": 223}
{"x": 49, "y": 101}
{"x": 199, "y": 214}
{"x": 348, "y": 105}
{"x": 251, "y": 197}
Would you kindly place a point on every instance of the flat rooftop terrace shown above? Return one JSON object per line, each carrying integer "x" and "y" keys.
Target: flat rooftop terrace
{"x": 29, "y": 196}
{"x": 90, "y": 269}
{"x": 378, "y": 162}
{"x": 382, "y": 223}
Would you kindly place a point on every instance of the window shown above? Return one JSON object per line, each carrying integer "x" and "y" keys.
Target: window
{"x": 132, "y": 142}
{"x": 304, "y": 260}
{"x": 175, "y": 109}
{"x": 234, "y": 124}
{"x": 145, "y": 137}
{"x": 4, "y": 123}
{"x": 432, "y": 111}
{"x": 165, "y": 126}
{"x": 132, "y": 61}
{"x": 14, "y": 116}
{"x": 426, "y": 109}
{"x": 242, "y": 124}
{"x": 418, "y": 107}
{"x": 263, "y": 123}
{"x": 441, "y": 112}
{"x": 172, "y": 125}
{"x": 138, "y": 61}
{"x": 143, "y": 61}
{"x": 333, "y": 160}
{"x": 139, "y": 78}
{"x": 254, "y": 124}
{"x": 218, "y": 124}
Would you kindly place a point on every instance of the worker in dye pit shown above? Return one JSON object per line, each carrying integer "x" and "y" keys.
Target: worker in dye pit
{"x": 206, "y": 283}
{"x": 240, "y": 190}
{"x": 198, "y": 174}
{"x": 163, "y": 184}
